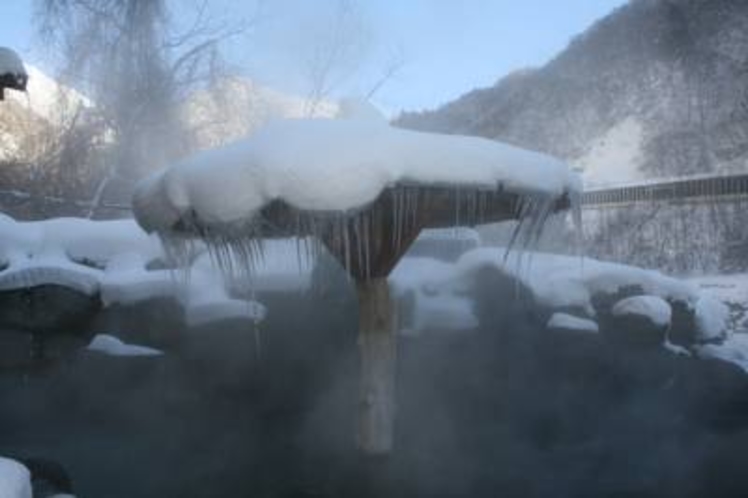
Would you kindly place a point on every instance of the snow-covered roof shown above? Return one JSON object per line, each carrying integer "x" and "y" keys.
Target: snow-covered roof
{"x": 324, "y": 165}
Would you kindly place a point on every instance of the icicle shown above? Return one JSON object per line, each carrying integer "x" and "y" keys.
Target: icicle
{"x": 575, "y": 198}
{"x": 457, "y": 207}
{"x": 367, "y": 245}
{"x": 346, "y": 243}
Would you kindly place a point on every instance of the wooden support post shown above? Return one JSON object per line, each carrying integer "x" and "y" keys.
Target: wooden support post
{"x": 377, "y": 346}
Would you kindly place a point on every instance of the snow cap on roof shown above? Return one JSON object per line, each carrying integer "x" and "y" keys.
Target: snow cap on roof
{"x": 334, "y": 165}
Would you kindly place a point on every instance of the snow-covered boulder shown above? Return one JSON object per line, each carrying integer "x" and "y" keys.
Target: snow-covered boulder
{"x": 711, "y": 317}
{"x": 653, "y": 308}
{"x": 112, "y": 346}
{"x": 733, "y": 349}
{"x": 587, "y": 287}
{"x": 566, "y": 323}
{"x": 430, "y": 297}
{"x": 15, "y": 479}
{"x": 640, "y": 321}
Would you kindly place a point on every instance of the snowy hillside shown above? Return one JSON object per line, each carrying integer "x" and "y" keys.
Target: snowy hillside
{"x": 654, "y": 89}
{"x": 236, "y": 107}
{"x": 47, "y": 98}
{"x": 46, "y": 103}
{"x": 233, "y": 108}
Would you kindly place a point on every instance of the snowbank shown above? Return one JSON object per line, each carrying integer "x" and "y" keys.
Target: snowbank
{"x": 333, "y": 165}
{"x": 15, "y": 479}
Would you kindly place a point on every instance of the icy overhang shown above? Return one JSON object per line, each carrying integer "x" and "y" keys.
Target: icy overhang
{"x": 337, "y": 166}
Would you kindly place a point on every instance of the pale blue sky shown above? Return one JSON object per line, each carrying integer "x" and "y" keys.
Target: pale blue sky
{"x": 447, "y": 47}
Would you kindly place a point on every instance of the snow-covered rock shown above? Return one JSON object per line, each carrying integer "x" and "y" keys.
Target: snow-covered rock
{"x": 559, "y": 281}
{"x": 431, "y": 297}
{"x": 733, "y": 350}
{"x": 711, "y": 318}
{"x": 638, "y": 321}
{"x": 15, "y": 479}
{"x": 595, "y": 288}
{"x": 109, "y": 260}
{"x": 653, "y": 308}
{"x": 112, "y": 346}
{"x": 566, "y": 322}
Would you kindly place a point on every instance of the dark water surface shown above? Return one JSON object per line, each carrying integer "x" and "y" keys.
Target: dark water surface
{"x": 507, "y": 411}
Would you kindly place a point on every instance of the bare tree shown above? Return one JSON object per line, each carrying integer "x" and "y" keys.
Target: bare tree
{"x": 335, "y": 54}
{"x": 128, "y": 58}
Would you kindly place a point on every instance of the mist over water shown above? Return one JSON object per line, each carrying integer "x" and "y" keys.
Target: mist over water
{"x": 507, "y": 409}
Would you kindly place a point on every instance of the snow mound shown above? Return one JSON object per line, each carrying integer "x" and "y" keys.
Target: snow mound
{"x": 656, "y": 309}
{"x": 564, "y": 321}
{"x": 112, "y": 346}
{"x": 327, "y": 165}
{"x": 15, "y": 479}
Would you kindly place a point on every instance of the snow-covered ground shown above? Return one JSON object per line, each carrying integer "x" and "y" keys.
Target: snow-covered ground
{"x": 118, "y": 261}
{"x": 112, "y": 259}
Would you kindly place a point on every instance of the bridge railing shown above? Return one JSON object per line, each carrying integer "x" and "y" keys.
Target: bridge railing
{"x": 712, "y": 187}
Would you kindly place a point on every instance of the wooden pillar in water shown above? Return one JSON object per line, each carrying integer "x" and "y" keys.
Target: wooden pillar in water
{"x": 382, "y": 239}
{"x": 377, "y": 344}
